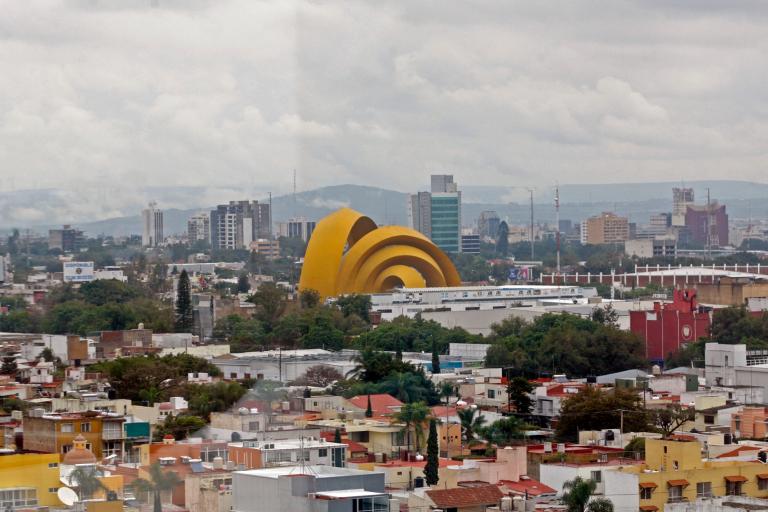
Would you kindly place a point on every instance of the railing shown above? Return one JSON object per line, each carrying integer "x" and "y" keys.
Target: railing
{"x": 111, "y": 435}
{"x": 677, "y": 499}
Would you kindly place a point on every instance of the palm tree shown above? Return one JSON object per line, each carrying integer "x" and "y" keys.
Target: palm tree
{"x": 413, "y": 415}
{"x": 159, "y": 482}
{"x": 471, "y": 422}
{"x": 577, "y": 494}
{"x": 447, "y": 390}
{"x": 87, "y": 482}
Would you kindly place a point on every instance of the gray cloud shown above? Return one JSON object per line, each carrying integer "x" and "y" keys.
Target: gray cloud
{"x": 119, "y": 94}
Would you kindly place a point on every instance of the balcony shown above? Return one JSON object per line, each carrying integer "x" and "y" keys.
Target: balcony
{"x": 677, "y": 499}
{"x": 112, "y": 434}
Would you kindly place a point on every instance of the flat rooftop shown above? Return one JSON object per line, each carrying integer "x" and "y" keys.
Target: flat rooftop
{"x": 316, "y": 471}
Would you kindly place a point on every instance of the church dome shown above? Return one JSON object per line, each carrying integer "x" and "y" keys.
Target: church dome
{"x": 79, "y": 454}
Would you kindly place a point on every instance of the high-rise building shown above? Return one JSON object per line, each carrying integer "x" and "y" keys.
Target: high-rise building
{"x": 700, "y": 219}
{"x": 297, "y": 227}
{"x": 66, "y": 239}
{"x": 420, "y": 213}
{"x": 488, "y": 224}
{"x": 681, "y": 199}
{"x": 437, "y": 214}
{"x": 199, "y": 228}
{"x": 237, "y": 224}
{"x": 606, "y": 228}
{"x": 152, "y": 223}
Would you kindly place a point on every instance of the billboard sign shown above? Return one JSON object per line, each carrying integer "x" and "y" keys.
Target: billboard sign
{"x": 78, "y": 271}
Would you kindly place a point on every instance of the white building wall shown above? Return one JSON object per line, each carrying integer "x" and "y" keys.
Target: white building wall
{"x": 622, "y": 489}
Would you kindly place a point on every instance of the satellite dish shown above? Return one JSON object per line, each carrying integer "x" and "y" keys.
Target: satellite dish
{"x": 67, "y": 496}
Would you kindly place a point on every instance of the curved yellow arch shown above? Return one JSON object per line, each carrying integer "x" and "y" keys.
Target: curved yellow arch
{"x": 376, "y": 259}
{"x": 399, "y": 275}
{"x": 326, "y": 248}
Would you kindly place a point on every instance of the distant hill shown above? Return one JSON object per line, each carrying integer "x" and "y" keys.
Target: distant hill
{"x": 118, "y": 212}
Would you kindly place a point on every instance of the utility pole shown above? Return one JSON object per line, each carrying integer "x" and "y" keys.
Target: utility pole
{"x": 530, "y": 190}
{"x": 557, "y": 226}
{"x": 271, "y": 234}
{"x": 709, "y": 231}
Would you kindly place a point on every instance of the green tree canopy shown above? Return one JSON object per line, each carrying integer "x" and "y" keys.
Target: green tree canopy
{"x": 594, "y": 409}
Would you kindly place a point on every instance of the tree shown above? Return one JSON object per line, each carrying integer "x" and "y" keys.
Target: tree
{"x": 413, "y": 415}
{"x": 87, "y": 482}
{"x": 671, "y": 418}
{"x": 270, "y": 304}
{"x": 636, "y": 445}
{"x": 447, "y": 390}
{"x": 309, "y": 299}
{"x": 180, "y": 427}
{"x": 369, "y": 410}
{"x": 433, "y": 462}
{"x": 243, "y": 284}
{"x": 159, "y": 482}
{"x": 504, "y": 431}
{"x": 502, "y": 240}
{"x": 435, "y": 358}
{"x": 9, "y": 366}
{"x": 471, "y": 423}
{"x": 47, "y": 355}
{"x": 184, "y": 318}
{"x": 518, "y": 391}
{"x": 577, "y": 494}
{"x": 605, "y": 315}
{"x": 337, "y": 435}
{"x": 319, "y": 376}
{"x": 355, "y": 304}
{"x": 594, "y": 409}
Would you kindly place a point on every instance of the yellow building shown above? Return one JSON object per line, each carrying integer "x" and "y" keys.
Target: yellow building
{"x": 674, "y": 471}
{"x": 29, "y": 479}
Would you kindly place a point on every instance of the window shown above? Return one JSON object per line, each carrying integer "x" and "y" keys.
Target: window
{"x": 53, "y": 465}
{"x": 709, "y": 419}
{"x": 491, "y": 393}
{"x": 233, "y": 375}
{"x": 675, "y": 493}
{"x": 665, "y": 449}
{"x": 322, "y": 452}
{"x": 704, "y": 489}
{"x": 66, "y": 428}
{"x": 675, "y": 465}
{"x": 17, "y": 498}
{"x": 371, "y": 504}
{"x": 65, "y": 448}
{"x": 646, "y": 493}
{"x": 596, "y": 476}
{"x": 733, "y": 488}
{"x": 53, "y": 489}
{"x": 762, "y": 484}
{"x": 85, "y": 426}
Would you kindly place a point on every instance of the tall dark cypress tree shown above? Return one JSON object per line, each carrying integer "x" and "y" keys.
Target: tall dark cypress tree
{"x": 369, "y": 410}
{"x": 431, "y": 468}
{"x": 337, "y": 436}
{"x": 183, "y": 304}
{"x": 435, "y": 357}
{"x": 502, "y": 242}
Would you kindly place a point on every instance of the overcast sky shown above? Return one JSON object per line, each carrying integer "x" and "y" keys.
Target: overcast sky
{"x": 204, "y": 93}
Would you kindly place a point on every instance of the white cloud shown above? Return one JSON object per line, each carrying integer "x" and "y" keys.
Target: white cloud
{"x": 232, "y": 92}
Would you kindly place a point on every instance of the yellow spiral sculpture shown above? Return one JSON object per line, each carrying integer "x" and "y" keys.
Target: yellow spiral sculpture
{"x": 347, "y": 253}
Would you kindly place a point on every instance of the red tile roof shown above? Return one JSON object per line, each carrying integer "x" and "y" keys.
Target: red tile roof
{"x": 738, "y": 451}
{"x": 488, "y": 495}
{"x": 381, "y": 404}
{"x": 441, "y": 411}
{"x": 532, "y": 487}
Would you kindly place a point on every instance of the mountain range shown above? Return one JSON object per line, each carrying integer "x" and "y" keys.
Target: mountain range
{"x": 114, "y": 209}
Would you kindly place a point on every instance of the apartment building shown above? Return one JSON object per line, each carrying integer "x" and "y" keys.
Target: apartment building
{"x": 56, "y": 432}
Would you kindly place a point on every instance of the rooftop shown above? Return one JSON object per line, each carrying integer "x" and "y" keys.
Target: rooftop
{"x": 466, "y": 496}
{"x": 316, "y": 471}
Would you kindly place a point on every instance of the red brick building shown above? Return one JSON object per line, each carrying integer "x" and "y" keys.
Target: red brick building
{"x": 669, "y": 326}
